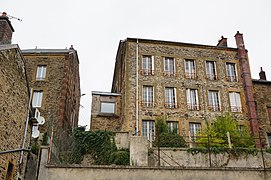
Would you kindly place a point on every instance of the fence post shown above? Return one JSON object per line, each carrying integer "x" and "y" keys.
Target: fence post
{"x": 158, "y": 144}
{"x": 262, "y": 151}
{"x": 229, "y": 139}
{"x": 209, "y": 152}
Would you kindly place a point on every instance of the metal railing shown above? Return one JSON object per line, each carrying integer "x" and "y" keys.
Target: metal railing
{"x": 211, "y": 147}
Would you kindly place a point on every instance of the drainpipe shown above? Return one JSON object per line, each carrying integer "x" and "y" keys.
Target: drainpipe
{"x": 248, "y": 87}
{"x": 137, "y": 87}
{"x": 26, "y": 126}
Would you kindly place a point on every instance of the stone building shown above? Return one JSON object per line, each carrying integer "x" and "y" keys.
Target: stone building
{"x": 262, "y": 91}
{"x": 14, "y": 100}
{"x": 189, "y": 84}
{"x": 53, "y": 74}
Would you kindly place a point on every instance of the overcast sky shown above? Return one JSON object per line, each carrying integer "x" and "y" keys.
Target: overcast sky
{"x": 96, "y": 27}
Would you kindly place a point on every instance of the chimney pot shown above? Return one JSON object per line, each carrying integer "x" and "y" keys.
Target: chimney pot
{"x": 262, "y": 75}
{"x": 222, "y": 42}
{"x": 4, "y": 14}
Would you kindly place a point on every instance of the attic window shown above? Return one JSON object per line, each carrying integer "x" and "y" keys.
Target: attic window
{"x": 108, "y": 107}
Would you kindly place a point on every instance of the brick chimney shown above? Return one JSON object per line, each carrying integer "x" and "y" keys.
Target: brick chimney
{"x": 247, "y": 85}
{"x": 6, "y": 29}
{"x": 222, "y": 42}
{"x": 262, "y": 74}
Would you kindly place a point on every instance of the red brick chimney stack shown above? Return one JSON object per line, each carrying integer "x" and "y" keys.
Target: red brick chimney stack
{"x": 222, "y": 42}
{"x": 6, "y": 29}
{"x": 247, "y": 84}
{"x": 262, "y": 74}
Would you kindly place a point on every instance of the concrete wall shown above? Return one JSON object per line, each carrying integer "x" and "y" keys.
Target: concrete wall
{"x": 122, "y": 140}
{"x": 138, "y": 151}
{"x": 124, "y": 173}
{"x": 180, "y": 157}
{"x": 71, "y": 172}
{"x": 14, "y": 96}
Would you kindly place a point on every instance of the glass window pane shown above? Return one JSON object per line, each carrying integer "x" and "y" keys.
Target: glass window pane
{"x": 107, "y": 107}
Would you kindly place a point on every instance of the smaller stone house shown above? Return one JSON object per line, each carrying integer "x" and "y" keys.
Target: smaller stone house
{"x": 106, "y": 111}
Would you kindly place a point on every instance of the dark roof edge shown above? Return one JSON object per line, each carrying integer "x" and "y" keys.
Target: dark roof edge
{"x": 261, "y": 81}
{"x": 178, "y": 43}
{"x": 105, "y": 93}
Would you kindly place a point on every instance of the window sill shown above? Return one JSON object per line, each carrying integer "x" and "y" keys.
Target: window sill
{"x": 107, "y": 115}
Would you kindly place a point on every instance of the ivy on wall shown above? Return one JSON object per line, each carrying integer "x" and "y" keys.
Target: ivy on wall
{"x": 100, "y": 145}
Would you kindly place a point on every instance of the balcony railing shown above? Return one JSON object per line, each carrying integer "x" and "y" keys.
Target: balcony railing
{"x": 170, "y": 105}
{"x": 148, "y": 104}
{"x": 190, "y": 75}
{"x": 169, "y": 73}
{"x": 193, "y": 107}
{"x": 147, "y": 72}
{"x": 211, "y": 76}
{"x": 236, "y": 109}
{"x": 232, "y": 78}
{"x": 214, "y": 108}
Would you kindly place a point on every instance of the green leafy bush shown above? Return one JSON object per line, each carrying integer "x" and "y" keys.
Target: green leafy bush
{"x": 100, "y": 144}
{"x": 120, "y": 157}
{"x": 216, "y": 135}
{"x": 166, "y": 138}
{"x": 170, "y": 140}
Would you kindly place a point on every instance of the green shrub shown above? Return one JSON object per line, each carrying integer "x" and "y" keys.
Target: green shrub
{"x": 217, "y": 134}
{"x": 170, "y": 140}
{"x": 35, "y": 148}
{"x": 100, "y": 144}
{"x": 120, "y": 157}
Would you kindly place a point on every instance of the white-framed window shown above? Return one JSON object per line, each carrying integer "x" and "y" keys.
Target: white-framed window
{"x": 169, "y": 69}
{"x": 214, "y": 101}
{"x": 108, "y": 107}
{"x": 148, "y": 129}
{"x": 231, "y": 72}
{"x": 173, "y": 127}
{"x": 170, "y": 97}
{"x": 190, "y": 69}
{"x": 147, "y": 96}
{"x": 235, "y": 102}
{"x": 192, "y": 99}
{"x": 37, "y": 98}
{"x": 211, "y": 70}
{"x": 147, "y": 65}
{"x": 41, "y": 72}
{"x": 194, "y": 128}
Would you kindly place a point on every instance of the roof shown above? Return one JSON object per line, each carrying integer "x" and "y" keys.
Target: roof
{"x": 178, "y": 43}
{"x": 40, "y": 51}
{"x": 105, "y": 93}
{"x": 261, "y": 81}
{"x": 8, "y": 46}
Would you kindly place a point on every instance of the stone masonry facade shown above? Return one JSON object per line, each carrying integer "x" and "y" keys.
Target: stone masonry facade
{"x": 262, "y": 91}
{"x": 124, "y": 82}
{"x": 180, "y": 52}
{"x": 14, "y": 95}
{"x": 61, "y": 91}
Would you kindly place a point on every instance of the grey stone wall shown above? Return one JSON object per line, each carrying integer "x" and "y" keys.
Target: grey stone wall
{"x": 13, "y": 109}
